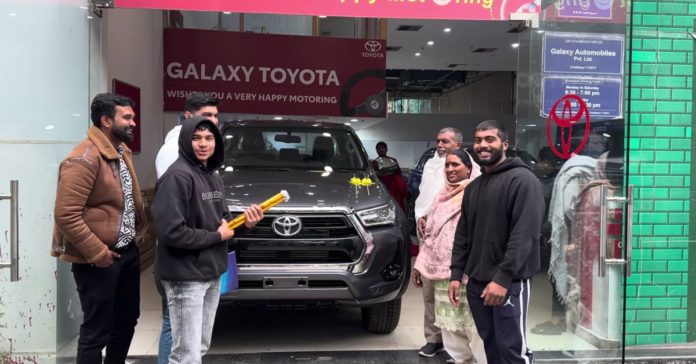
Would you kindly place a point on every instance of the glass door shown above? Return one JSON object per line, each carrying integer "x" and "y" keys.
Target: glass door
{"x": 45, "y": 67}
{"x": 571, "y": 119}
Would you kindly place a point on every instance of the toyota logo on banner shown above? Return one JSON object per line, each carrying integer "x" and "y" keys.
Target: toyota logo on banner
{"x": 373, "y": 46}
{"x": 287, "y": 225}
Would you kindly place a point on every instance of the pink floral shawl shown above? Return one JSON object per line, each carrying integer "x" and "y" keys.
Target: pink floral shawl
{"x": 435, "y": 254}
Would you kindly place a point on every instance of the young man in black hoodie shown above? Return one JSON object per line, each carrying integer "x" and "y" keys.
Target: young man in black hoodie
{"x": 497, "y": 246}
{"x": 189, "y": 212}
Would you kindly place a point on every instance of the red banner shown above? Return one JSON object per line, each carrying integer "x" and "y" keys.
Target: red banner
{"x": 416, "y": 9}
{"x": 275, "y": 74}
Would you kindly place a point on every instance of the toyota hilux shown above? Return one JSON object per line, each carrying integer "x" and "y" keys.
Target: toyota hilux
{"x": 339, "y": 239}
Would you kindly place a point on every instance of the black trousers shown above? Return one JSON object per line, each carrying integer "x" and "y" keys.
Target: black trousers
{"x": 110, "y": 300}
{"x": 503, "y": 328}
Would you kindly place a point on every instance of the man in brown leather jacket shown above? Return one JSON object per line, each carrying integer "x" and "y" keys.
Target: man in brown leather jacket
{"x": 99, "y": 222}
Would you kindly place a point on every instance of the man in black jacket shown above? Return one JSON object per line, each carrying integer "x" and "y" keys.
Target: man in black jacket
{"x": 189, "y": 212}
{"x": 497, "y": 246}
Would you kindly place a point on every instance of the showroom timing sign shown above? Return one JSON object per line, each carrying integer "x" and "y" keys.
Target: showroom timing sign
{"x": 413, "y": 9}
{"x": 276, "y": 74}
{"x": 588, "y": 65}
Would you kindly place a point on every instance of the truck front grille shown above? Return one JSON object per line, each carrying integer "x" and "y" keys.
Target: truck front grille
{"x": 323, "y": 239}
{"x": 313, "y": 227}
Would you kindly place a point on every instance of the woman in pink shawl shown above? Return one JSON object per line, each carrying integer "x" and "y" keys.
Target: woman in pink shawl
{"x": 459, "y": 336}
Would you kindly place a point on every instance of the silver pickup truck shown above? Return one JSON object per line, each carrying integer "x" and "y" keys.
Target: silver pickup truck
{"x": 340, "y": 238}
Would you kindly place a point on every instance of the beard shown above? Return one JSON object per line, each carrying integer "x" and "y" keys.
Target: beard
{"x": 124, "y": 134}
{"x": 494, "y": 157}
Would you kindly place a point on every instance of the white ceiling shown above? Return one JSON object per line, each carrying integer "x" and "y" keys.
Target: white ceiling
{"x": 452, "y": 47}
{"x": 449, "y": 48}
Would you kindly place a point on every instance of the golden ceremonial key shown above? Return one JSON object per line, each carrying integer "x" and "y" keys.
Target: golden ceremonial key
{"x": 279, "y": 197}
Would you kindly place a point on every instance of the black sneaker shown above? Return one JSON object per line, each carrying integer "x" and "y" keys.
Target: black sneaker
{"x": 429, "y": 350}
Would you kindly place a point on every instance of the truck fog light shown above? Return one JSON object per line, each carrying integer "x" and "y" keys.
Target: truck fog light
{"x": 392, "y": 272}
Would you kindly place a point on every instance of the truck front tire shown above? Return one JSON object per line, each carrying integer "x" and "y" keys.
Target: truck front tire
{"x": 381, "y": 318}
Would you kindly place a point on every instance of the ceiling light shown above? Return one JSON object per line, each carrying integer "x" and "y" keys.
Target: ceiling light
{"x": 322, "y": 16}
{"x": 278, "y": 118}
{"x": 606, "y": 135}
{"x": 417, "y": 54}
{"x": 515, "y": 45}
{"x": 540, "y": 31}
{"x": 346, "y": 123}
{"x": 227, "y": 12}
{"x": 354, "y": 120}
{"x": 326, "y": 134}
{"x": 430, "y": 42}
{"x": 447, "y": 30}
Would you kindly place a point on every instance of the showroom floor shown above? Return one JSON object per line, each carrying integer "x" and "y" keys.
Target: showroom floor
{"x": 250, "y": 330}
{"x": 319, "y": 335}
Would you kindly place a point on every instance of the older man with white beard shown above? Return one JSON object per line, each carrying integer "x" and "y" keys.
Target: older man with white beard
{"x": 433, "y": 180}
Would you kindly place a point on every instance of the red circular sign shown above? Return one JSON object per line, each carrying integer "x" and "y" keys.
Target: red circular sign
{"x": 565, "y": 123}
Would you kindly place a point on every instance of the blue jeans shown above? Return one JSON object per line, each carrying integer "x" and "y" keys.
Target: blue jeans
{"x": 165, "y": 342}
{"x": 192, "y": 307}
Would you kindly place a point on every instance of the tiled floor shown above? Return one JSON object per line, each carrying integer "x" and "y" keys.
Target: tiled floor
{"x": 331, "y": 329}
{"x": 248, "y": 330}
{"x": 334, "y": 335}
{"x": 338, "y": 357}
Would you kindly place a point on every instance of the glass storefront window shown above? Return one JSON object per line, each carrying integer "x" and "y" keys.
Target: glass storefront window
{"x": 570, "y": 117}
{"x": 604, "y": 116}
{"x": 45, "y": 77}
{"x": 234, "y": 22}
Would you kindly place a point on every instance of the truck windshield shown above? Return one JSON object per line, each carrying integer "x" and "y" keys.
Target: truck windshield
{"x": 285, "y": 147}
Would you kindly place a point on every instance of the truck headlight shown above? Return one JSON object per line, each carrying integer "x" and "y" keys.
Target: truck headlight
{"x": 382, "y": 215}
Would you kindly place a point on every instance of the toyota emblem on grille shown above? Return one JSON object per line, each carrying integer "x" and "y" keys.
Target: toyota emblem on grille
{"x": 287, "y": 225}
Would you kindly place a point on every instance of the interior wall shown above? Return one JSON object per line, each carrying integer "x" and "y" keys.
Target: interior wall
{"x": 490, "y": 95}
{"x": 409, "y": 135}
{"x": 133, "y": 54}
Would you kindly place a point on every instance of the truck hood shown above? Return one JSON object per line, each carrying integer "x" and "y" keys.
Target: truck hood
{"x": 307, "y": 189}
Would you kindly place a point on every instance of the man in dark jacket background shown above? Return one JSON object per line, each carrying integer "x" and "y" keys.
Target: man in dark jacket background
{"x": 189, "y": 212}
{"x": 497, "y": 246}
